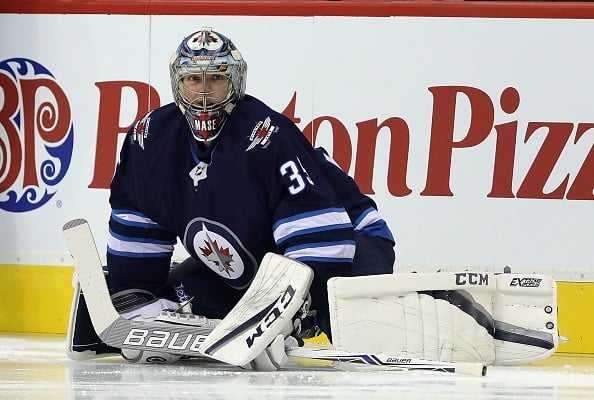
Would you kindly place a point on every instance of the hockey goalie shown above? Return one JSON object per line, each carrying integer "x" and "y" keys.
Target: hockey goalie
{"x": 268, "y": 221}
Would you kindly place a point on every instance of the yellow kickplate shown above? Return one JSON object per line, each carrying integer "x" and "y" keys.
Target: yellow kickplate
{"x": 35, "y": 298}
{"x": 576, "y": 316}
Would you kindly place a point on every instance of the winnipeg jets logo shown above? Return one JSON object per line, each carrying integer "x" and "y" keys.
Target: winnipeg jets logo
{"x": 141, "y": 130}
{"x": 205, "y": 40}
{"x": 215, "y": 254}
{"x": 261, "y": 133}
{"x": 218, "y": 248}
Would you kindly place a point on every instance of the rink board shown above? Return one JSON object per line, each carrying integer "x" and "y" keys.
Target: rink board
{"x": 37, "y": 299}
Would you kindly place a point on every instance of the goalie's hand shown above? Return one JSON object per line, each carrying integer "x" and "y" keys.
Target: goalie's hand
{"x": 274, "y": 356}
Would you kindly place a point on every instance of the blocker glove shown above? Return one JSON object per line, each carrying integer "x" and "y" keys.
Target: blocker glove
{"x": 274, "y": 356}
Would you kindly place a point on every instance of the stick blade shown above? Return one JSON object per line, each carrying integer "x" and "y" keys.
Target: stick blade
{"x": 89, "y": 272}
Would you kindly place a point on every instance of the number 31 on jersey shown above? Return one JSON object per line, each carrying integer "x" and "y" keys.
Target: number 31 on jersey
{"x": 297, "y": 176}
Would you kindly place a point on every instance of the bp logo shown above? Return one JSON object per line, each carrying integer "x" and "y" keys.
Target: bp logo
{"x": 36, "y": 135}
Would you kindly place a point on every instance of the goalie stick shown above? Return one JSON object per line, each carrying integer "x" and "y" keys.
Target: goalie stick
{"x": 357, "y": 361}
{"x": 275, "y": 295}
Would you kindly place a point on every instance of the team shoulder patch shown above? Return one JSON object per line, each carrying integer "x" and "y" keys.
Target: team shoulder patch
{"x": 141, "y": 130}
{"x": 261, "y": 133}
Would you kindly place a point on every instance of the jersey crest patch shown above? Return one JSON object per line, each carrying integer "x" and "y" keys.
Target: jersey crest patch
{"x": 219, "y": 249}
{"x": 261, "y": 133}
{"x": 141, "y": 130}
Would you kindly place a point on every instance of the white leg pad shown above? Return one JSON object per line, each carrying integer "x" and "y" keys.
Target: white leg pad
{"x": 438, "y": 316}
{"x": 464, "y": 317}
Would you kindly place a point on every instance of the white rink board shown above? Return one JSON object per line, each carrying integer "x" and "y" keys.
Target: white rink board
{"x": 353, "y": 69}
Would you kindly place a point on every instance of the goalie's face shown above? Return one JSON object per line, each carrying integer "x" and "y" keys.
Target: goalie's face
{"x": 204, "y": 95}
{"x": 204, "y": 90}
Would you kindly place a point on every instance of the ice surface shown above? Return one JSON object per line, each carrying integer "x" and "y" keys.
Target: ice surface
{"x": 36, "y": 367}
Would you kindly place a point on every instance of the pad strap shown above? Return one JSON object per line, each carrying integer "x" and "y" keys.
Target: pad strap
{"x": 131, "y": 299}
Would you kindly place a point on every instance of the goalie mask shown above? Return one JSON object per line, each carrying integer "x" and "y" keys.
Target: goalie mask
{"x": 208, "y": 77}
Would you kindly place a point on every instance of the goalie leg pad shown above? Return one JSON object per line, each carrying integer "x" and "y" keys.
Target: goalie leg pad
{"x": 503, "y": 319}
{"x": 133, "y": 303}
{"x": 437, "y": 316}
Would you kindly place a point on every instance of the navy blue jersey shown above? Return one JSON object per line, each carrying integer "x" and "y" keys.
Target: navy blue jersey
{"x": 362, "y": 209}
{"x": 263, "y": 189}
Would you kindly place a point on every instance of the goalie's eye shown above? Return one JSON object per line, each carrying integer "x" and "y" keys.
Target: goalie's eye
{"x": 197, "y": 79}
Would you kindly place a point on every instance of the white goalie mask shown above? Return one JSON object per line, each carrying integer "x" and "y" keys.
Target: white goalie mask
{"x": 208, "y": 77}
